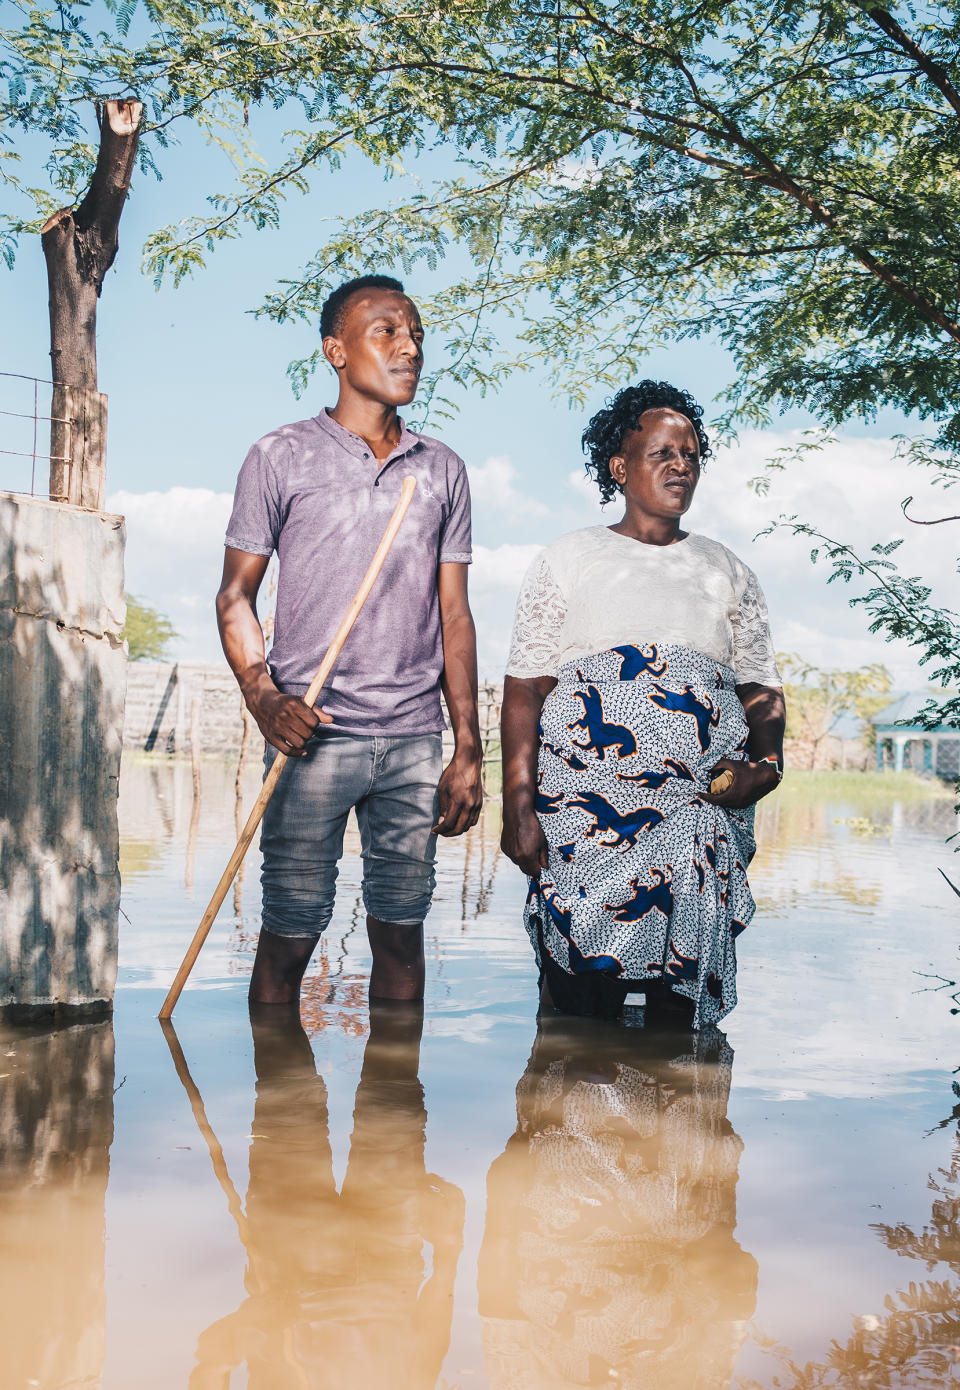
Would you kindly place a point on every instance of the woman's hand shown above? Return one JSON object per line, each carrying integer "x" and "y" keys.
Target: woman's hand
{"x": 765, "y": 713}
{"x": 523, "y": 840}
{"x": 751, "y": 781}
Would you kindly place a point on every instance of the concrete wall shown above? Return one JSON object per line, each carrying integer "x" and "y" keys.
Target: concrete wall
{"x": 62, "y": 676}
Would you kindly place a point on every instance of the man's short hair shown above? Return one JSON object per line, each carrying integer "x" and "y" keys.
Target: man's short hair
{"x": 331, "y": 315}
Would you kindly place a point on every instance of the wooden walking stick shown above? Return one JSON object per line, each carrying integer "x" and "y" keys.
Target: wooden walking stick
{"x": 279, "y": 762}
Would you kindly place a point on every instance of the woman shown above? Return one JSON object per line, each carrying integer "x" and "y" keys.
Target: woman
{"x": 641, "y": 668}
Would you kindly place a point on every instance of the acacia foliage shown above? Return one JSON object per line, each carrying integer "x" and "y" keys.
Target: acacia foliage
{"x": 898, "y": 607}
{"x": 783, "y": 175}
{"x": 147, "y": 632}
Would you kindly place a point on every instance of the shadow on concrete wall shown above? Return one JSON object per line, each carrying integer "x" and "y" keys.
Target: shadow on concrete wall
{"x": 62, "y": 673}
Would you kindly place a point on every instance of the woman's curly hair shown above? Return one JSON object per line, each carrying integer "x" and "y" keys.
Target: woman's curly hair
{"x": 603, "y": 436}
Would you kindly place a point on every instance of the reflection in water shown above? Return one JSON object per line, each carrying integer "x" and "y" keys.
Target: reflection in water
{"x": 336, "y": 1287}
{"x": 239, "y": 813}
{"x": 650, "y": 1283}
{"x": 803, "y": 855}
{"x": 191, "y": 854}
{"x": 609, "y": 1254}
{"x": 487, "y": 835}
{"x": 914, "y": 1340}
{"x": 56, "y": 1123}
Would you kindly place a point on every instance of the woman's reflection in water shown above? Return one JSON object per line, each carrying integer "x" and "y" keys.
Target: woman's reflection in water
{"x": 335, "y": 1282}
{"x": 609, "y": 1255}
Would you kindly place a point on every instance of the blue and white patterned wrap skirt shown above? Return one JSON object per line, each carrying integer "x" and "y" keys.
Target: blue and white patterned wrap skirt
{"x": 645, "y": 880}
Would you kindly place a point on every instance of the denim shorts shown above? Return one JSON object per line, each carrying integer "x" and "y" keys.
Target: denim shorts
{"x": 392, "y": 784}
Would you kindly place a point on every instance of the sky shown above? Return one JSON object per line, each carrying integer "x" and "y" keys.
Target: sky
{"x": 193, "y": 380}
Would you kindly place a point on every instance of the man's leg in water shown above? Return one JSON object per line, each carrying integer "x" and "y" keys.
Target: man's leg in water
{"x": 279, "y": 966}
{"x": 395, "y": 821}
{"x": 398, "y": 964}
{"x": 397, "y": 971}
{"x": 302, "y": 843}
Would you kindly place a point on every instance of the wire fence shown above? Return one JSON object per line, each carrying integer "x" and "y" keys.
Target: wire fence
{"x": 25, "y": 434}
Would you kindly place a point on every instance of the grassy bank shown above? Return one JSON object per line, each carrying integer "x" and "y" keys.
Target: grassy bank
{"x": 826, "y": 786}
{"x": 880, "y": 786}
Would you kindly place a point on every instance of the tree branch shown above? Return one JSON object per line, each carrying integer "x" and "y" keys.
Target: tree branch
{"x": 957, "y": 891}
{"x": 119, "y": 123}
{"x": 937, "y": 74}
{"x": 312, "y": 155}
{"x": 769, "y": 171}
{"x": 80, "y": 244}
{"x": 937, "y": 521}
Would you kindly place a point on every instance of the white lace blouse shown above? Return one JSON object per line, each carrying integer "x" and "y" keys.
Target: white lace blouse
{"x": 594, "y": 589}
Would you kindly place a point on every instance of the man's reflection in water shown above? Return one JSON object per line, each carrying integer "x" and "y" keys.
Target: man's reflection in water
{"x": 609, "y": 1255}
{"x": 335, "y": 1282}
{"x": 56, "y": 1128}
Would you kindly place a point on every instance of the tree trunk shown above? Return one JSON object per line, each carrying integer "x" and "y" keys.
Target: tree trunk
{"x": 78, "y": 447}
{"x": 79, "y": 245}
{"x": 814, "y": 750}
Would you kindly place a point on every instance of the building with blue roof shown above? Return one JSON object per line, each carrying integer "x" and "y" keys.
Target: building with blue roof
{"x": 902, "y": 742}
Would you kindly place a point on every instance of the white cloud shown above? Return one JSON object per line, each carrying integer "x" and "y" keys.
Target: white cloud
{"x": 493, "y": 485}
{"x": 585, "y": 490}
{"x": 182, "y": 519}
{"x": 500, "y": 567}
{"x": 494, "y": 582}
{"x": 571, "y": 172}
{"x": 852, "y": 490}
{"x": 174, "y": 558}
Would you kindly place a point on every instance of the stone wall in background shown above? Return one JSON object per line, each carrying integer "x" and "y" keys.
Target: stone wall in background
{"x": 166, "y": 703}
{"x": 62, "y": 676}
{"x": 162, "y": 709}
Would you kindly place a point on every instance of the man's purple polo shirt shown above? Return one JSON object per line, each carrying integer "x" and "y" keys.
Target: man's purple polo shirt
{"x": 312, "y": 492}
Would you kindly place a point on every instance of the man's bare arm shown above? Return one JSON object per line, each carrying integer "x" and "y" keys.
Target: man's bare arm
{"x": 460, "y": 790}
{"x": 284, "y": 720}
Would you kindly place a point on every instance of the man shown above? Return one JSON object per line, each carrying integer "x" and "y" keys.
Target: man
{"x": 320, "y": 492}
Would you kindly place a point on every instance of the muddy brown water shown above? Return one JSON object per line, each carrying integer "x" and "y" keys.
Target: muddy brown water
{"x": 467, "y": 1200}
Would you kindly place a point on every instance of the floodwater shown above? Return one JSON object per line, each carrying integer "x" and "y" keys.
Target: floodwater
{"x": 467, "y": 1200}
